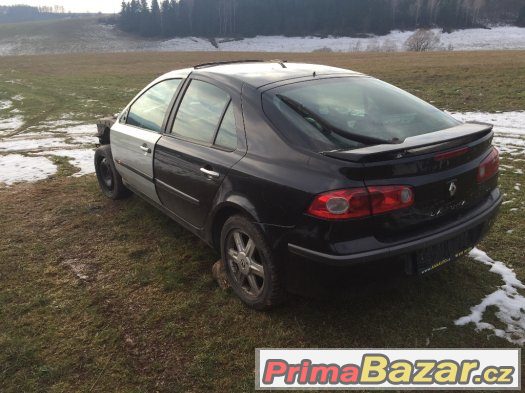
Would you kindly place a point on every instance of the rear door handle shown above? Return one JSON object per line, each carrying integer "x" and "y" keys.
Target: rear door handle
{"x": 145, "y": 149}
{"x": 210, "y": 173}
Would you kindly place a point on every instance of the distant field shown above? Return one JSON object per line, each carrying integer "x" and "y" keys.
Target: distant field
{"x": 100, "y": 296}
{"x": 80, "y": 35}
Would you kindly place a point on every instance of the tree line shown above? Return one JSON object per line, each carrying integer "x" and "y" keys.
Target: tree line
{"x": 246, "y": 18}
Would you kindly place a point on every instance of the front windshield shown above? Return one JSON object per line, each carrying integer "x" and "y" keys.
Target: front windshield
{"x": 359, "y": 110}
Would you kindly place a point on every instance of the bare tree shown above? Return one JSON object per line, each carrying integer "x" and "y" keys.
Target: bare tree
{"x": 423, "y": 41}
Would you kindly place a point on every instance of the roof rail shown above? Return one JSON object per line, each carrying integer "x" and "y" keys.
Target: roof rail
{"x": 218, "y": 63}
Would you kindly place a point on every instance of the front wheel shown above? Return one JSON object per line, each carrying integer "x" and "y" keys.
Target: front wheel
{"x": 250, "y": 264}
{"x": 109, "y": 179}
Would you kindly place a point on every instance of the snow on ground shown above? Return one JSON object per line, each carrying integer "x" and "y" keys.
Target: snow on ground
{"x": 80, "y": 158}
{"x": 10, "y": 124}
{"x": 102, "y": 38}
{"x": 16, "y": 168}
{"x": 509, "y": 128}
{"x": 26, "y": 156}
{"x": 496, "y": 38}
{"x": 21, "y": 144}
{"x": 5, "y": 104}
{"x": 509, "y": 303}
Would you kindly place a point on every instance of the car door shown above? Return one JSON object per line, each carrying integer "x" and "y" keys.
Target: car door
{"x": 134, "y": 136}
{"x": 206, "y": 140}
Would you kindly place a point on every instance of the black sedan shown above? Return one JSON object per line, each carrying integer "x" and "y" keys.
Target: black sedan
{"x": 264, "y": 159}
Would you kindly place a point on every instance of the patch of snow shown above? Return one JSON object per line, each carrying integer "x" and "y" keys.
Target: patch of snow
{"x": 89, "y": 129}
{"x": 55, "y": 124}
{"x": 5, "y": 104}
{"x": 509, "y": 303}
{"x": 85, "y": 140}
{"x": 18, "y": 97}
{"x": 509, "y": 128}
{"x": 15, "y": 168}
{"x": 502, "y": 37}
{"x": 22, "y": 144}
{"x": 103, "y": 38}
{"x": 12, "y": 124}
{"x": 83, "y": 159}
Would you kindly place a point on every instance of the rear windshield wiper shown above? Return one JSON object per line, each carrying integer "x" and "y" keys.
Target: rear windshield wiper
{"x": 330, "y": 128}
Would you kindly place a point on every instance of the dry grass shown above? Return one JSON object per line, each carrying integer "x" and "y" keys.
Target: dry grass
{"x": 113, "y": 296}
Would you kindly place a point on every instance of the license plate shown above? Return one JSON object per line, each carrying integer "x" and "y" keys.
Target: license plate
{"x": 440, "y": 254}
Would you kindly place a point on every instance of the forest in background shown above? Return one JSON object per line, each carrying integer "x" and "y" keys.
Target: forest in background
{"x": 26, "y": 13}
{"x": 248, "y": 18}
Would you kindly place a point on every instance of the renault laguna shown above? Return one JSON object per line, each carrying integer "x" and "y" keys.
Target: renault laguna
{"x": 262, "y": 160}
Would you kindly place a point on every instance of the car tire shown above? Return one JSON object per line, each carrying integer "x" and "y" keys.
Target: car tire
{"x": 252, "y": 267}
{"x": 109, "y": 179}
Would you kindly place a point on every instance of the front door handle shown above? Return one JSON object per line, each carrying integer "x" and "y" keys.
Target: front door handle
{"x": 210, "y": 173}
{"x": 145, "y": 149}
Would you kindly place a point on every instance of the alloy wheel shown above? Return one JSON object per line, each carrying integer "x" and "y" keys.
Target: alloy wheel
{"x": 245, "y": 263}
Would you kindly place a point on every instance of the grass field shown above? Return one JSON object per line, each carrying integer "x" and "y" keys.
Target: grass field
{"x": 101, "y": 296}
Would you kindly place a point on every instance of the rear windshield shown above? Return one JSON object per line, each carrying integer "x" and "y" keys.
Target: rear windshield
{"x": 352, "y": 112}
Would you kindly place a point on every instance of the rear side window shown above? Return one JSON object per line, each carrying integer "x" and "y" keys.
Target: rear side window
{"x": 149, "y": 110}
{"x": 227, "y": 134}
{"x": 200, "y": 112}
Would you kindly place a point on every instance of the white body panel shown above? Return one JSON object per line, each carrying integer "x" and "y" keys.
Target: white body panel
{"x": 133, "y": 147}
{"x": 132, "y": 150}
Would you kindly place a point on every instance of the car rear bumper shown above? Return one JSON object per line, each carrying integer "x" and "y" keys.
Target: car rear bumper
{"x": 479, "y": 219}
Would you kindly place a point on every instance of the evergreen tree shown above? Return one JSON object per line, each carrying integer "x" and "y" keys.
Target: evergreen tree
{"x": 521, "y": 17}
{"x": 155, "y": 19}
{"x": 244, "y": 18}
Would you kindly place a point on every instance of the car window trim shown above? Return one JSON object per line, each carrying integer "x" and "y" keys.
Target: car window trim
{"x": 175, "y": 110}
{"x": 130, "y": 105}
{"x": 220, "y": 126}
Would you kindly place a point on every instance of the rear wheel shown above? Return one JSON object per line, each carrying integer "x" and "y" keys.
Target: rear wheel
{"x": 250, "y": 264}
{"x": 109, "y": 179}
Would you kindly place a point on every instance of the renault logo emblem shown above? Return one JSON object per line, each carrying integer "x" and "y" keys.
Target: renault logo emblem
{"x": 452, "y": 189}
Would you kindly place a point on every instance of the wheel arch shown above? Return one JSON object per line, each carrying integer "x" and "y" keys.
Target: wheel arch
{"x": 236, "y": 205}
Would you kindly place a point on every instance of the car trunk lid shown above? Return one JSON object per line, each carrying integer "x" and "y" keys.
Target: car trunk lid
{"x": 440, "y": 167}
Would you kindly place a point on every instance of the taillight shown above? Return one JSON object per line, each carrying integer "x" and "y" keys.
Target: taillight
{"x": 361, "y": 202}
{"x": 388, "y": 198}
{"x": 341, "y": 204}
{"x": 489, "y": 166}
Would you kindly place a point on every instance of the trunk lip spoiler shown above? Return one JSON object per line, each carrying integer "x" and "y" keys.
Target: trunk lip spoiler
{"x": 414, "y": 142}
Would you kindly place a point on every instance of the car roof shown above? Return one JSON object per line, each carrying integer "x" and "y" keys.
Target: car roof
{"x": 259, "y": 74}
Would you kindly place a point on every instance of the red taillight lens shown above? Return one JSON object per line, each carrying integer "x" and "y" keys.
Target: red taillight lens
{"x": 361, "y": 202}
{"x": 489, "y": 167}
{"x": 385, "y": 199}
{"x": 341, "y": 204}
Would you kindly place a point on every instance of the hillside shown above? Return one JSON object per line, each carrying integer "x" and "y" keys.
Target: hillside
{"x": 87, "y": 35}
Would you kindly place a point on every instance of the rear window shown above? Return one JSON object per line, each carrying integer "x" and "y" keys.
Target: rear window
{"x": 356, "y": 108}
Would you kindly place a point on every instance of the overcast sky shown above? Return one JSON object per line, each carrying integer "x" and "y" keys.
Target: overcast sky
{"x": 73, "y": 5}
